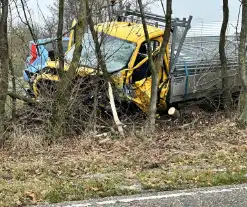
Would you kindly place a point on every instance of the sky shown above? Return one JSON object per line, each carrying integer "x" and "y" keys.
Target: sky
{"x": 202, "y": 10}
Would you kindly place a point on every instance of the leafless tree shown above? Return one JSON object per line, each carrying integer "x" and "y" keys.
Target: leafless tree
{"x": 242, "y": 65}
{"x": 59, "y": 35}
{"x": 223, "y": 59}
{"x": 63, "y": 89}
{"x": 155, "y": 67}
{"x": 4, "y": 63}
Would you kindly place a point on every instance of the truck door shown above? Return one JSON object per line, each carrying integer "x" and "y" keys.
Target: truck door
{"x": 140, "y": 78}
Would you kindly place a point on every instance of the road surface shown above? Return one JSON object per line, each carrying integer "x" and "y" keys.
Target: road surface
{"x": 227, "y": 196}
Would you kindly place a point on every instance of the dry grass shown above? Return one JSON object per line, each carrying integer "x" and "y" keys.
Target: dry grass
{"x": 211, "y": 151}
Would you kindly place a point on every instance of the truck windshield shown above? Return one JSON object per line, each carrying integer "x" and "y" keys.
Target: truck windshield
{"x": 117, "y": 52}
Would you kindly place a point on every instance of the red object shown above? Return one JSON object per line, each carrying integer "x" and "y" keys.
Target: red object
{"x": 33, "y": 53}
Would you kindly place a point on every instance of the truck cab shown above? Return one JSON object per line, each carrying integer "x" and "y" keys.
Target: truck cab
{"x": 124, "y": 48}
{"x": 125, "y": 51}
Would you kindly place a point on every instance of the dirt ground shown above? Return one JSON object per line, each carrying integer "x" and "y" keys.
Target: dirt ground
{"x": 200, "y": 149}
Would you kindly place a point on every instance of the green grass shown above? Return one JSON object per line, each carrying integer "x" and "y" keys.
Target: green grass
{"x": 161, "y": 180}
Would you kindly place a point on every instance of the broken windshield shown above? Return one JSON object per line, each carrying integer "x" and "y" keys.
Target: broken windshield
{"x": 117, "y": 52}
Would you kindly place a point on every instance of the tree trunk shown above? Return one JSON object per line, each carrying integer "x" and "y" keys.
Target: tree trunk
{"x": 155, "y": 67}
{"x": 4, "y": 64}
{"x": 60, "y": 39}
{"x": 11, "y": 68}
{"x": 223, "y": 60}
{"x": 160, "y": 60}
{"x": 109, "y": 10}
{"x": 64, "y": 85}
{"x": 100, "y": 58}
{"x": 242, "y": 66}
{"x": 13, "y": 78}
{"x": 154, "y": 93}
{"x": 102, "y": 66}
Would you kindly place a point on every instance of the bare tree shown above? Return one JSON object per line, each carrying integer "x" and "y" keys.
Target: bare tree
{"x": 242, "y": 65}
{"x": 102, "y": 65}
{"x": 4, "y": 62}
{"x": 154, "y": 96}
{"x": 60, "y": 38}
{"x": 223, "y": 60}
{"x": 64, "y": 85}
{"x": 155, "y": 67}
{"x": 11, "y": 68}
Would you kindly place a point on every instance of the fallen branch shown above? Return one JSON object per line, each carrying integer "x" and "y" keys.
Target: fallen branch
{"x": 22, "y": 98}
{"x": 114, "y": 111}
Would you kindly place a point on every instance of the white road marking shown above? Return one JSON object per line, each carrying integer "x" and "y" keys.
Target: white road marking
{"x": 173, "y": 195}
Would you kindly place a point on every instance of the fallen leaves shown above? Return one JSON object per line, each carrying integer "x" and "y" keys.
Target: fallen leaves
{"x": 173, "y": 158}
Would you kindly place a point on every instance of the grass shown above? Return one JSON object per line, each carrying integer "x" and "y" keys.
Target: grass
{"x": 210, "y": 153}
{"x": 160, "y": 180}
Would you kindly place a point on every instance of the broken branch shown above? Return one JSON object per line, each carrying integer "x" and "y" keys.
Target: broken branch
{"x": 114, "y": 111}
{"x": 22, "y": 98}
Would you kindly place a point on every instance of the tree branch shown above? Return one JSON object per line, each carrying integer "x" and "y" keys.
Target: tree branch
{"x": 22, "y": 98}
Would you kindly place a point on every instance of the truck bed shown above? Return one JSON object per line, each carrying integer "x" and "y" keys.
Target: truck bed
{"x": 198, "y": 72}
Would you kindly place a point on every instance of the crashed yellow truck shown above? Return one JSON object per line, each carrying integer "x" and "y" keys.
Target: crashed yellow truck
{"x": 183, "y": 77}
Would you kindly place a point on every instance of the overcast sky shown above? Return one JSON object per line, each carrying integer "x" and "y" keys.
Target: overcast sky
{"x": 201, "y": 10}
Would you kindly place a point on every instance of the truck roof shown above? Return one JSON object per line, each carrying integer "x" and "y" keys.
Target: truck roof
{"x": 132, "y": 32}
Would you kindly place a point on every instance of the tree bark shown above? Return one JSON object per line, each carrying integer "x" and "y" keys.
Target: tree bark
{"x": 154, "y": 93}
{"x": 60, "y": 39}
{"x": 11, "y": 68}
{"x": 100, "y": 58}
{"x": 160, "y": 60}
{"x": 223, "y": 59}
{"x": 242, "y": 66}
{"x": 4, "y": 64}
{"x": 22, "y": 98}
{"x": 64, "y": 85}
{"x": 155, "y": 67}
{"x": 13, "y": 78}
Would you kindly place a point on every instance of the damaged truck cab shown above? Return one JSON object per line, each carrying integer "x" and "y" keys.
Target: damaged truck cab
{"x": 134, "y": 79}
{"x": 125, "y": 50}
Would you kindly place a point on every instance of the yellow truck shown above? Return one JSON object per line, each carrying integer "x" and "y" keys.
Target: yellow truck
{"x": 125, "y": 51}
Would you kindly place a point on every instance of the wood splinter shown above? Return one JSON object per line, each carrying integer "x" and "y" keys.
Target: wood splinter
{"x": 114, "y": 111}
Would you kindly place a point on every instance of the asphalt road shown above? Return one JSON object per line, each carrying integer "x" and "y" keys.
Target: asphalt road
{"x": 227, "y": 196}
